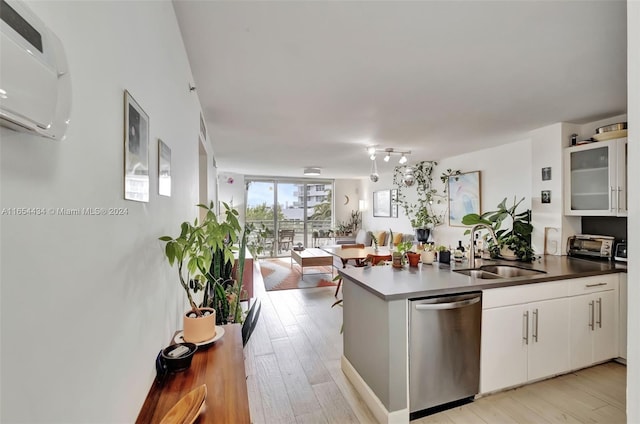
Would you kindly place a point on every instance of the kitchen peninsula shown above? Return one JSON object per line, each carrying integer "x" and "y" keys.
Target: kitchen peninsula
{"x": 376, "y": 320}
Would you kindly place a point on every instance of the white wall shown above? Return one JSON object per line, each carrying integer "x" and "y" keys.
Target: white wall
{"x": 345, "y": 189}
{"x": 88, "y": 301}
{"x": 505, "y": 172}
{"x": 633, "y": 319}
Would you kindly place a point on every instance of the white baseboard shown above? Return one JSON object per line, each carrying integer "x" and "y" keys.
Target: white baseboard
{"x": 379, "y": 411}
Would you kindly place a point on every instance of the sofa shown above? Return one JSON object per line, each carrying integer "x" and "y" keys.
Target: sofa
{"x": 363, "y": 237}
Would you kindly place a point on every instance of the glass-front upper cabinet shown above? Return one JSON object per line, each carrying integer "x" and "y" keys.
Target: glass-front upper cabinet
{"x": 596, "y": 179}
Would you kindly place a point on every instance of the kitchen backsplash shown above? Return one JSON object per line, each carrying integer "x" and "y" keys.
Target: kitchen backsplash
{"x": 605, "y": 226}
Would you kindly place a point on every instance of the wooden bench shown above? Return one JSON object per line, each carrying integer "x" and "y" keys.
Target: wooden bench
{"x": 219, "y": 366}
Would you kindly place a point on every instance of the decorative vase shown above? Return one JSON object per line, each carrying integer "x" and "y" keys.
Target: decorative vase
{"x": 422, "y": 234}
{"x": 414, "y": 258}
{"x": 199, "y": 329}
{"x": 428, "y": 256}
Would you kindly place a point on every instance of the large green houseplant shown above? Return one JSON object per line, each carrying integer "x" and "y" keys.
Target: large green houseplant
{"x": 204, "y": 255}
{"x": 516, "y": 239}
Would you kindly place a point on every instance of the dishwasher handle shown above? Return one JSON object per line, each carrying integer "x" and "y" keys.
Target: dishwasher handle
{"x": 450, "y": 305}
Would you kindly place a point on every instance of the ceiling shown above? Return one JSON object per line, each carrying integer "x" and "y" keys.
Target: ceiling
{"x": 290, "y": 84}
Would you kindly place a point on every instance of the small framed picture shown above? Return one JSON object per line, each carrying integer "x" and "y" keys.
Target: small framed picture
{"x": 136, "y": 151}
{"x": 546, "y": 173}
{"x": 382, "y": 203}
{"x": 164, "y": 169}
{"x": 546, "y": 196}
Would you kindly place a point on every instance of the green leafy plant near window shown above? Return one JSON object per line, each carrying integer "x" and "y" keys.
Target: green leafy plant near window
{"x": 518, "y": 238}
{"x": 421, "y": 213}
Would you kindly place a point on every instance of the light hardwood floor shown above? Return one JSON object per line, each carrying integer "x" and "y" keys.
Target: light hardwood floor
{"x": 294, "y": 376}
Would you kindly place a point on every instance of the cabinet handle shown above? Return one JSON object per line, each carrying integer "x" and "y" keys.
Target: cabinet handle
{"x": 526, "y": 327}
{"x": 534, "y": 336}
{"x": 599, "y": 303}
{"x": 613, "y": 190}
{"x": 595, "y": 285}
{"x": 591, "y": 315}
{"x": 623, "y": 207}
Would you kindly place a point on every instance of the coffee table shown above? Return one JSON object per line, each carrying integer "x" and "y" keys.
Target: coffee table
{"x": 311, "y": 257}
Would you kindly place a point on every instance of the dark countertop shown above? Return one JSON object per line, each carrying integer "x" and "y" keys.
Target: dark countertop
{"x": 390, "y": 283}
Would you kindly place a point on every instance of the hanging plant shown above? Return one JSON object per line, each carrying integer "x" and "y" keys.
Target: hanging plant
{"x": 421, "y": 213}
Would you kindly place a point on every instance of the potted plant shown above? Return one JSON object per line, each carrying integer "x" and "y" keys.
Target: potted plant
{"x": 374, "y": 240}
{"x": 421, "y": 214}
{"x": 513, "y": 243}
{"x": 444, "y": 255}
{"x": 204, "y": 255}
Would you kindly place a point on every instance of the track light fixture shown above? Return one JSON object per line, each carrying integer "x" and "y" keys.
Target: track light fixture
{"x": 388, "y": 152}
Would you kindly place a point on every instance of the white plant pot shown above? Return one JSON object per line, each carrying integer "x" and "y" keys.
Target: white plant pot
{"x": 428, "y": 256}
{"x": 508, "y": 254}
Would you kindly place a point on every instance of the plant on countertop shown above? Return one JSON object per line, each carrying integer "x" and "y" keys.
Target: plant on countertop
{"x": 204, "y": 254}
{"x": 374, "y": 239}
{"x": 518, "y": 238}
{"x": 404, "y": 246}
{"x": 421, "y": 213}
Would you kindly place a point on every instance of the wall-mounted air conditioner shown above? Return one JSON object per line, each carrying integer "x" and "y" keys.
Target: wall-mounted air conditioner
{"x": 35, "y": 85}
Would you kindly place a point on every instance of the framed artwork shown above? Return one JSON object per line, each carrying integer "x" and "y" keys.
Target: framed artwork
{"x": 164, "y": 169}
{"x": 394, "y": 203}
{"x": 382, "y": 203}
{"x": 546, "y": 173}
{"x": 136, "y": 151}
{"x": 546, "y": 196}
{"x": 464, "y": 196}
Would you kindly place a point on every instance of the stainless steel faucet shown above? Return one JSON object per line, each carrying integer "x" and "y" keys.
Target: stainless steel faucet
{"x": 472, "y": 247}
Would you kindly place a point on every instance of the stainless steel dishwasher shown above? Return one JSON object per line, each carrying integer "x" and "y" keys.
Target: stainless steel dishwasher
{"x": 444, "y": 351}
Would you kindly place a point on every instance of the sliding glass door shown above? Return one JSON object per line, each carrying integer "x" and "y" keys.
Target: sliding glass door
{"x": 286, "y": 213}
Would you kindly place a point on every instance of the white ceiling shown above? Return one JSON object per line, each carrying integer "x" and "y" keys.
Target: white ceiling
{"x": 289, "y": 84}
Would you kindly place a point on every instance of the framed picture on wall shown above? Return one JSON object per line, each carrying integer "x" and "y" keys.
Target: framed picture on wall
{"x": 382, "y": 203}
{"x": 164, "y": 169}
{"x": 394, "y": 203}
{"x": 136, "y": 151}
{"x": 464, "y": 196}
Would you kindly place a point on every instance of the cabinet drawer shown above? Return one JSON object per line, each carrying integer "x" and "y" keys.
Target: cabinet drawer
{"x": 585, "y": 285}
{"x": 514, "y": 295}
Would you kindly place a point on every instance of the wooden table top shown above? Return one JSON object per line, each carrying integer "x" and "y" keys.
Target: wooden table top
{"x": 219, "y": 366}
{"x": 356, "y": 253}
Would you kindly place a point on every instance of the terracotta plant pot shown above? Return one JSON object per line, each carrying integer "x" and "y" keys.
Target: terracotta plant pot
{"x": 414, "y": 258}
{"x": 199, "y": 329}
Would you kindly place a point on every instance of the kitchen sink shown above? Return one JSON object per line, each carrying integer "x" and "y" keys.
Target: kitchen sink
{"x": 477, "y": 273}
{"x": 510, "y": 270}
{"x": 490, "y": 272}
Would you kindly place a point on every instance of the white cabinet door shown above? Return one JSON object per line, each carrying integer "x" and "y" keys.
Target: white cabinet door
{"x": 594, "y": 328}
{"x": 622, "y": 316}
{"x": 549, "y": 341}
{"x": 605, "y": 334}
{"x": 582, "y": 318}
{"x": 595, "y": 179}
{"x": 503, "y": 353}
{"x": 621, "y": 177}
